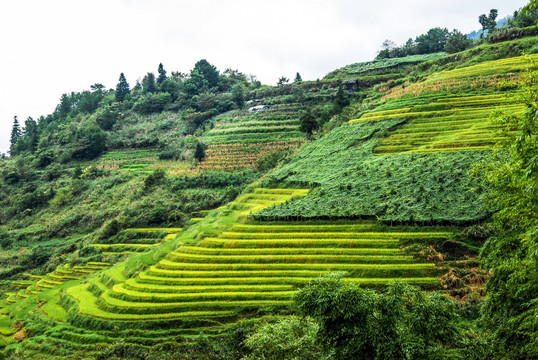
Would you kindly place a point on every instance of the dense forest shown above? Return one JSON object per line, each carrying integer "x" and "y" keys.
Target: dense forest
{"x": 386, "y": 211}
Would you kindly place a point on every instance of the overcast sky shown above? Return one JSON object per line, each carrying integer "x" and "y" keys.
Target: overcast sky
{"x": 57, "y": 46}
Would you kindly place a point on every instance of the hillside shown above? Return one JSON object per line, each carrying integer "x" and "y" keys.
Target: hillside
{"x": 178, "y": 222}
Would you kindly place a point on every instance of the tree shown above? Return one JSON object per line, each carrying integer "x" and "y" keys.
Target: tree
{"x": 488, "y": 21}
{"x": 510, "y": 311}
{"x": 341, "y": 99}
{"x": 456, "y": 42}
{"x": 433, "y": 41}
{"x": 238, "y": 95}
{"x": 282, "y": 80}
{"x": 162, "y": 74}
{"x": 402, "y": 323}
{"x": 196, "y": 83}
{"x": 148, "y": 83}
{"x": 15, "y": 135}
{"x": 30, "y": 134}
{"x": 208, "y": 72}
{"x": 122, "y": 89}
{"x": 308, "y": 123}
{"x": 199, "y": 152}
{"x": 298, "y": 78}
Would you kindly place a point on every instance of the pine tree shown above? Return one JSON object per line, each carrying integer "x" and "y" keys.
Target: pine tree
{"x": 15, "y": 135}
{"x": 162, "y": 74}
{"x": 298, "y": 78}
{"x": 148, "y": 83}
{"x": 122, "y": 89}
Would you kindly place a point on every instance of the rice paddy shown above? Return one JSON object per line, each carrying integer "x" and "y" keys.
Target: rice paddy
{"x": 445, "y": 122}
{"x": 248, "y": 267}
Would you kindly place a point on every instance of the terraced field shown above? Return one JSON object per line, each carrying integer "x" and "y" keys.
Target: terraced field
{"x": 136, "y": 240}
{"x": 242, "y": 156}
{"x": 278, "y": 123}
{"x": 141, "y": 161}
{"x": 457, "y": 123}
{"x": 437, "y": 120}
{"x": 249, "y": 268}
{"x": 35, "y": 284}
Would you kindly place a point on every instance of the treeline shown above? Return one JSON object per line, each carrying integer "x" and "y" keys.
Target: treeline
{"x": 440, "y": 39}
{"x": 80, "y": 123}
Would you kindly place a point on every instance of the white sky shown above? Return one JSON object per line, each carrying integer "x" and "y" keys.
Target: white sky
{"x": 52, "y": 47}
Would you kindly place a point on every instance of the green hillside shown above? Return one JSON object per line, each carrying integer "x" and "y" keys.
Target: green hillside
{"x": 177, "y": 221}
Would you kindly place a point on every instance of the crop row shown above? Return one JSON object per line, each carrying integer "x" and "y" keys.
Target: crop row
{"x": 334, "y": 235}
{"x": 287, "y": 258}
{"x": 286, "y": 251}
{"x": 255, "y": 124}
{"x": 484, "y": 69}
{"x": 88, "y": 306}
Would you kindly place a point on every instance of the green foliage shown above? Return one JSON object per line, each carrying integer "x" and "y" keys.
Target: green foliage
{"x": 152, "y": 103}
{"x": 288, "y": 339}
{"x": 456, "y": 42}
{"x": 433, "y": 41}
{"x": 106, "y": 118}
{"x": 403, "y": 323}
{"x": 511, "y": 307}
{"x": 148, "y": 83}
{"x": 308, "y": 123}
{"x": 238, "y": 95}
{"x": 270, "y": 160}
{"x": 199, "y": 152}
{"x": 158, "y": 177}
{"x": 15, "y": 135}
{"x": 488, "y": 21}
{"x": 428, "y": 187}
{"x": 122, "y": 89}
{"x": 162, "y": 75}
{"x": 90, "y": 142}
{"x": 208, "y": 71}
{"x": 282, "y": 80}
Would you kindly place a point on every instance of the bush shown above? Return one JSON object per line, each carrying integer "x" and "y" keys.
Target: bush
{"x": 152, "y": 103}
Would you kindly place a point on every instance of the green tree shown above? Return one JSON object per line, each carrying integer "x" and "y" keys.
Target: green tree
{"x": 148, "y": 83}
{"x": 238, "y": 95}
{"x": 456, "y": 42}
{"x": 30, "y": 134}
{"x": 199, "y": 151}
{"x": 510, "y": 311}
{"x": 15, "y": 136}
{"x": 196, "y": 83}
{"x": 341, "y": 99}
{"x": 89, "y": 142}
{"x": 488, "y": 21}
{"x": 298, "y": 78}
{"x": 162, "y": 74}
{"x": 308, "y": 123}
{"x": 282, "y": 80}
{"x": 401, "y": 323}
{"x": 433, "y": 41}
{"x": 122, "y": 89}
{"x": 208, "y": 72}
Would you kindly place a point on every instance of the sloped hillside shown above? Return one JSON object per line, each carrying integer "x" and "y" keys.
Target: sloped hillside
{"x": 186, "y": 247}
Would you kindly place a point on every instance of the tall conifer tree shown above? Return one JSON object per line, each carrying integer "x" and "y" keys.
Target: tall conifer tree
{"x": 15, "y": 135}
{"x": 122, "y": 89}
